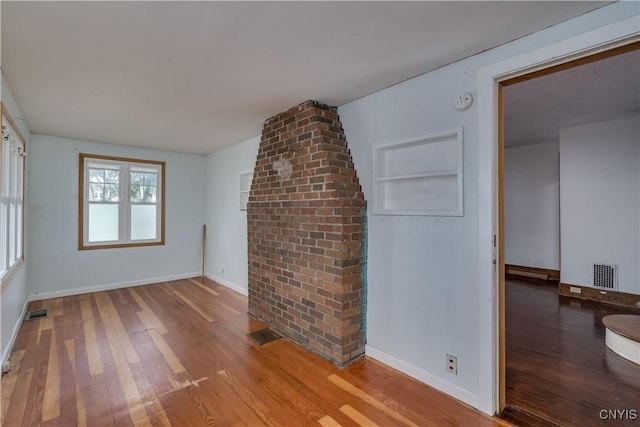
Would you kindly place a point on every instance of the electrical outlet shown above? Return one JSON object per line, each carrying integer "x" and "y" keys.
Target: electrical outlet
{"x": 452, "y": 364}
{"x": 222, "y": 270}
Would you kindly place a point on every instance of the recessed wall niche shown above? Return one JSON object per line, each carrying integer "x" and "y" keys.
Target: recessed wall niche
{"x": 420, "y": 176}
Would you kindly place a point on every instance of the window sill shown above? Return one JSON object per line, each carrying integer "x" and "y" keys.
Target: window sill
{"x": 83, "y": 247}
{"x": 10, "y": 274}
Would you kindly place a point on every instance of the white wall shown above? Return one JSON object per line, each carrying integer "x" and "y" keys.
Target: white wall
{"x": 532, "y": 205}
{"x": 599, "y": 187}
{"x": 57, "y": 267}
{"x": 423, "y": 286}
{"x": 226, "y": 223}
{"x": 425, "y": 298}
{"x": 14, "y": 296}
{"x": 421, "y": 298}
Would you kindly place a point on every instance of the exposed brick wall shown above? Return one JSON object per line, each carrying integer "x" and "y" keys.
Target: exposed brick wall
{"x": 306, "y": 225}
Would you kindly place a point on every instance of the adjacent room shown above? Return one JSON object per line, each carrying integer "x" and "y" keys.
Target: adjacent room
{"x": 290, "y": 213}
{"x": 571, "y": 154}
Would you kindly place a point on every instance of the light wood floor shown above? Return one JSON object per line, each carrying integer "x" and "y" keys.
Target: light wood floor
{"x": 177, "y": 354}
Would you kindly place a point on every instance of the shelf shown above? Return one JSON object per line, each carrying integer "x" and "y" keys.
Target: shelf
{"x": 245, "y": 189}
{"x": 421, "y": 176}
{"x": 417, "y": 176}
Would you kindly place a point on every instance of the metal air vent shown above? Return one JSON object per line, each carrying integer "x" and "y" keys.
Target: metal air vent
{"x": 605, "y": 276}
{"x": 37, "y": 314}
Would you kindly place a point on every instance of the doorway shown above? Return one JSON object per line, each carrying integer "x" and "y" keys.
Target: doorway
{"x": 544, "y": 339}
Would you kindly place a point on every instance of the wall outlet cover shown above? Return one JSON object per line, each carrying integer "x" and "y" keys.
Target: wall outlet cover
{"x": 452, "y": 364}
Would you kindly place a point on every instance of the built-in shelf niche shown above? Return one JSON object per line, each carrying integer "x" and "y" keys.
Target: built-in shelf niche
{"x": 421, "y": 176}
{"x": 245, "y": 188}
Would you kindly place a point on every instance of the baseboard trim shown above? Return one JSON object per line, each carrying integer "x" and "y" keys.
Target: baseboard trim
{"x": 14, "y": 334}
{"x": 107, "y": 287}
{"x": 228, "y": 284}
{"x": 589, "y": 293}
{"x": 517, "y": 416}
{"x": 429, "y": 379}
{"x": 532, "y": 272}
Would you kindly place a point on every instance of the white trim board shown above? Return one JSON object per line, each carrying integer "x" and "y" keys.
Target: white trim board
{"x": 108, "y": 287}
{"x": 230, "y": 285}
{"x": 604, "y": 38}
{"x": 622, "y": 346}
{"x": 14, "y": 334}
{"x": 426, "y": 377}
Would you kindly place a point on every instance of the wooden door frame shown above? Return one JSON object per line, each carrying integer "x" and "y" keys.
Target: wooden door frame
{"x": 594, "y": 57}
{"x": 491, "y": 396}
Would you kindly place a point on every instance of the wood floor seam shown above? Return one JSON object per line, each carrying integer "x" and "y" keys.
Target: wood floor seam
{"x": 177, "y": 354}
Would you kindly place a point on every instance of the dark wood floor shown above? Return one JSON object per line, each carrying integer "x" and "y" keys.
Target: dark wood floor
{"x": 177, "y": 354}
{"x": 558, "y": 366}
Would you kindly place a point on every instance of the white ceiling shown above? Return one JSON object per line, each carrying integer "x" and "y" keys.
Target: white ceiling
{"x": 199, "y": 76}
{"x": 535, "y": 110}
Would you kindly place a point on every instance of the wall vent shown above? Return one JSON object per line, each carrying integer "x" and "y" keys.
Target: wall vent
{"x": 605, "y": 276}
{"x": 37, "y": 314}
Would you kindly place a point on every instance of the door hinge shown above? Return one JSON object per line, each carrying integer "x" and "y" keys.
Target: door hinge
{"x": 494, "y": 250}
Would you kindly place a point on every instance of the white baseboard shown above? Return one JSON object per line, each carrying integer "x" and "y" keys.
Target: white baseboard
{"x": 14, "y": 334}
{"x": 98, "y": 288}
{"x": 228, "y": 284}
{"x": 429, "y": 379}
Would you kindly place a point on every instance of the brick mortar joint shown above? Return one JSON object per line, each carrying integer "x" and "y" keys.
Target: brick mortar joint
{"x": 299, "y": 109}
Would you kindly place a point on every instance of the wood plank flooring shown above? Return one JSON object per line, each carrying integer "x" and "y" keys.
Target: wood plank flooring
{"x": 177, "y": 353}
{"x": 558, "y": 365}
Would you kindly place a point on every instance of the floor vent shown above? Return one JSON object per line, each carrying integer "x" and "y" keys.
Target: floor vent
{"x": 37, "y": 314}
{"x": 263, "y": 336}
{"x": 605, "y": 276}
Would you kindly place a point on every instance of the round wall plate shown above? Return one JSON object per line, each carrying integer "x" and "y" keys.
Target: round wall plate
{"x": 464, "y": 101}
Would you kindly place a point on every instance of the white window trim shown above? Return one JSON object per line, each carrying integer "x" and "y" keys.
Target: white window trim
{"x": 124, "y": 203}
{"x": 12, "y": 195}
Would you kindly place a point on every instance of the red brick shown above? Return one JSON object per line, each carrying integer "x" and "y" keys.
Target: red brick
{"x": 306, "y": 234}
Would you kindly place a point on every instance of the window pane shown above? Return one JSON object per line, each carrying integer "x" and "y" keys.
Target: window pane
{"x": 112, "y": 176}
{"x": 12, "y": 233}
{"x": 14, "y": 173}
{"x": 137, "y": 178}
{"x": 6, "y": 158}
{"x": 149, "y": 194}
{"x": 150, "y": 178}
{"x": 20, "y": 178}
{"x": 96, "y": 175}
{"x": 143, "y": 193}
{"x": 3, "y": 236}
{"x": 143, "y": 222}
{"x": 96, "y": 192}
{"x": 19, "y": 231}
{"x": 135, "y": 192}
{"x": 111, "y": 192}
{"x": 103, "y": 222}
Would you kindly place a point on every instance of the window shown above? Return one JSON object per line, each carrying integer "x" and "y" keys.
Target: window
{"x": 421, "y": 176}
{"x": 122, "y": 202}
{"x": 12, "y": 155}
